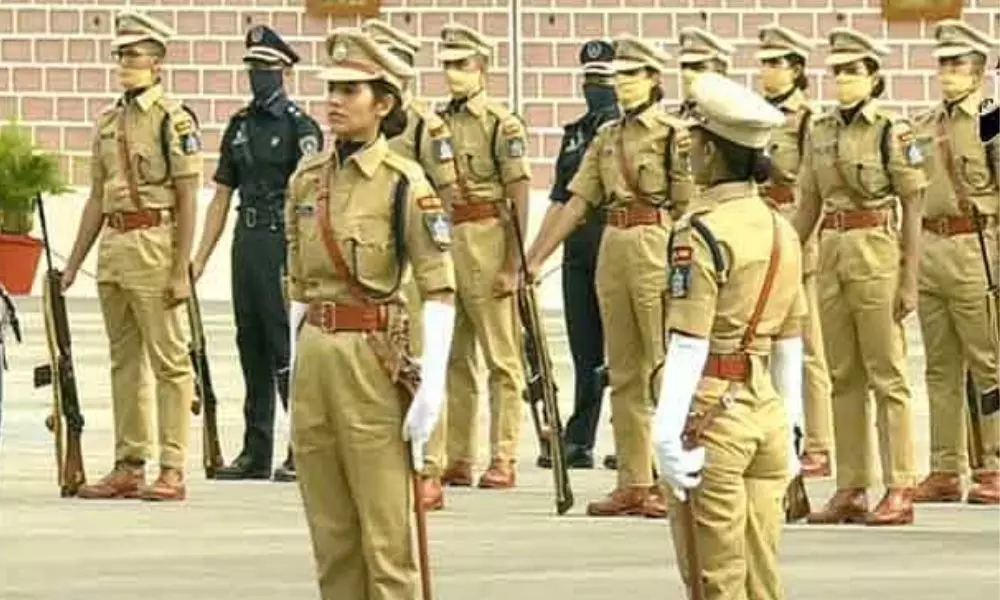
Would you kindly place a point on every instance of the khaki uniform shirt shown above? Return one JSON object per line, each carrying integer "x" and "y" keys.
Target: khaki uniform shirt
{"x": 701, "y": 307}
{"x": 143, "y": 257}
{"x": 638, "y": 144}
{"x": 484, "y": 168}
{"x": 361, "y": 198}
{"x": 786, "y": 148}
{"x": 940, "y": 136}
{"x": 434, "y": 151}
{"x": 842, "y": 164}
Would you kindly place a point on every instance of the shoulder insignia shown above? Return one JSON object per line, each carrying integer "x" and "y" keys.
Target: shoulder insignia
{"x": 499, "y": 111}
{"x": 680, "y": 270}
{"x": 429, "y": 203}
{"x": 314, "y": 161}
{"x": 438, "y": 226}
{"x": 404, "y": 166}
{"x": 683, "y": 142}
{"x": 444, "y": 151}
{"x": 986, "y": 105}
{"x": 308, "y": 144}
{"x": 512, "y": 127}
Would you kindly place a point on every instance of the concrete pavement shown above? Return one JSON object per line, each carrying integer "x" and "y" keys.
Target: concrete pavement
{"x": 248, "y": 541}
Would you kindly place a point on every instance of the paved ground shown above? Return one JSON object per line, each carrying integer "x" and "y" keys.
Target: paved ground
{"x": 248, "y": 541}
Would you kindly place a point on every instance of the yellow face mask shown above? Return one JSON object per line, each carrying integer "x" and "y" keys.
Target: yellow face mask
{"x": 463, "y": 84}
{"x": 776, "y": 80}
{"x": 132, "y": 79}
{"x": 852, "y": 89}
{"x": 633, "y": 90}
{"x": 688, "y": 77}
{"x": 956, "y": 85}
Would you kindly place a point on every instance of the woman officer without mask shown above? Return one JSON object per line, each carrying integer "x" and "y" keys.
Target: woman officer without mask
{"x": 347, "y": 208}
{"x": 637, "y": 170}
{"x": 858, "y": 161}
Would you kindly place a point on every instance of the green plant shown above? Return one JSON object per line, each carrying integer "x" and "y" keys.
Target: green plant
{"x": 25, "y": 171}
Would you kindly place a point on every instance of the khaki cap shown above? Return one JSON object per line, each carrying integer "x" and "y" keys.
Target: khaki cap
{"x": 461, "y": 42}
{"x": 353, "y": 56}
{"x": 734, "y": 112}
{"x": 633, "y": 53}
{"x": 848, "y": 45}
{"x": 955, "y": 38}
{"x": 698, "y": 45}
{"x": 777, "y": 41}
{"x": 133, "y": 27}
{"x": 387, "y": 35}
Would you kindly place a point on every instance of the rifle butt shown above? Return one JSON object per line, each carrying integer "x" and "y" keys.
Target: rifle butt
{"x": 796, "y": 501}
{"x": 74, "y": 476}
{"x": 422, "y": 545}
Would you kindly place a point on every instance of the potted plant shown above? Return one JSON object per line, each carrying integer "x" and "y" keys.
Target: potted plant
{"x": 25, "y": 172}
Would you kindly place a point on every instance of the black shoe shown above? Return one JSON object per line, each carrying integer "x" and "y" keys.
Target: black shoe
{"x": 244, "y": 468}
{"x": 286, "y": 472}
{"x": 577, "y": 457}
{"x": 611, "y": 462}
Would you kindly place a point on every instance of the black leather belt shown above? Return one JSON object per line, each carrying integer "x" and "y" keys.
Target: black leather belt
{"x": 252, "y": 217}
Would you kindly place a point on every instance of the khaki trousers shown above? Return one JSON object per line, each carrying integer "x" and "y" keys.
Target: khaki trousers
{"x": 353, "y": 469}
{"x": 146, "y": 344}
{"x": 866, "y": 350}
{"x": 958, "y": 333}
{"x": 492, "y": 324}
{"x": 630, "y": 281}
{"x": 738, "y": 505}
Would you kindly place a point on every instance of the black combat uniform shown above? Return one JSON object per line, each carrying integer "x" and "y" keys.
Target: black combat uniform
{"x": 583, "y": 317}
{"x": 261, "y": 147}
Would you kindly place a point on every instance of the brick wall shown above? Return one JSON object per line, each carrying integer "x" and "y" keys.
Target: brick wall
{"x": 55, "y": 71}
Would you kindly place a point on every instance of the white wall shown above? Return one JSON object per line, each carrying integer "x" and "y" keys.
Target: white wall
{"x": 63, "y": 216}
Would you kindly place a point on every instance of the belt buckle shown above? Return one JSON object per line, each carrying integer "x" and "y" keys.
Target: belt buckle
{"x": 838, "y": 220}
{"x": 328, "y": 316}
{"x": 944, "y": 226}
{"x": 116, "y": 220}
{"x": 250, "y": 217}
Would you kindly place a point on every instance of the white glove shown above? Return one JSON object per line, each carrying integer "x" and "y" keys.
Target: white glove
{"x": 425, "y": 411}
{"x": 787, "y": 373}
{"x": 296, "y": 315}
{"x": 682, "y": 369}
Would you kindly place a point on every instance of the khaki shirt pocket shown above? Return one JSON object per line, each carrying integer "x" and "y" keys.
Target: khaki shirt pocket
{"x": 150, "y": 165}
{"x": 868, "y": 177}
{"x": 370, "y": 253}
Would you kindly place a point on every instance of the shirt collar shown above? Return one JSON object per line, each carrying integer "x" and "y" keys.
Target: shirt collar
{"x": 651, "y": 115}
{"x": 146, "y": 99}
{"x": 794, "y": 101}
{"x": 969, "y": 105}
{"x": 368, "y": 158}
{"x": 276, "y": 104}
{"x": 731, "y": 190}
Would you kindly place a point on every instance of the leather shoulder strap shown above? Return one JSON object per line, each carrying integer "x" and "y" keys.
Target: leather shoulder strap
{"x": 765, "y": 293}
{"x": 125, "y": 159}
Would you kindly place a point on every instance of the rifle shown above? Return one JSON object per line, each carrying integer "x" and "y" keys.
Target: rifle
{"x": 66, "y": 420}
{"x": 205, "y": 401}
{"x": 541, "y": 387}
{"x": 8, "y": 318}
{"x": 974, "y": 439}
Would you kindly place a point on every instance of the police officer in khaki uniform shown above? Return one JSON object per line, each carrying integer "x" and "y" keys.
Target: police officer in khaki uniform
{"x": 346, "y": 207}
{"x": 637, "y": 171}
{"x": 145, "y": 174}
{"x": 426, "y": 140}
{"x": 859, "y": 160}
{"x": 492, "y": 167}
{"x": 782, "y": 54}
{"x": 954, "y": 319}
{"x": 734, "y": 327}
{"x": 700, "y": 52}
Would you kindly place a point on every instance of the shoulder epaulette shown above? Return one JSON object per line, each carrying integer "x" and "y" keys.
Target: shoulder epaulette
{"x": 402, "y": 165}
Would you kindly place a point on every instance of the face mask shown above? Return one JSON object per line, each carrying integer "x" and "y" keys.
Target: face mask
{"x": 134, "y": 79}
{"x": 852, "y": 89}
{"x": 264, "y": 83}
{"x": 776, "y": 81}
{"x": 956, "y": 85}
{"x": 633, "y": 90}
{"x": 687, "y": 81}
{"x": 462, "y": 83}
{"x": 598, "y": 97}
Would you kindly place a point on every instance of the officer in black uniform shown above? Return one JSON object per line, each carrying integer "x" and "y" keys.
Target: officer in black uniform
{"x": 260, "y": 149}
{"x": 583, "y": 317}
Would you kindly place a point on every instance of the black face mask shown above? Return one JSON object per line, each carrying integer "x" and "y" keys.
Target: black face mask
{"x": 599, "y": 97}
{"x": 264, "y": 84}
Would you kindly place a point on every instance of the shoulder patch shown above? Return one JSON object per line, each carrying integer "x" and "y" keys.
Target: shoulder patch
{"x": 309, "y": 144}
{"x": 444, "y": 151}
{"x": 515, "y": 147}
{"x": 429, "y": 203}
{"x": 438, "y": 226}
{"x": 680, "y": 271}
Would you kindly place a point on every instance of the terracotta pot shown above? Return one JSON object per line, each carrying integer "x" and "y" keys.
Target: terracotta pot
{"x": 19, "y": 256}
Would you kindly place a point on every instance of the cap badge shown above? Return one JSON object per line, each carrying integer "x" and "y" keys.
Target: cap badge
{"x": 257, "y": 34}
{"x": 593, "y": 50}
{"x": 339, "y": 51}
